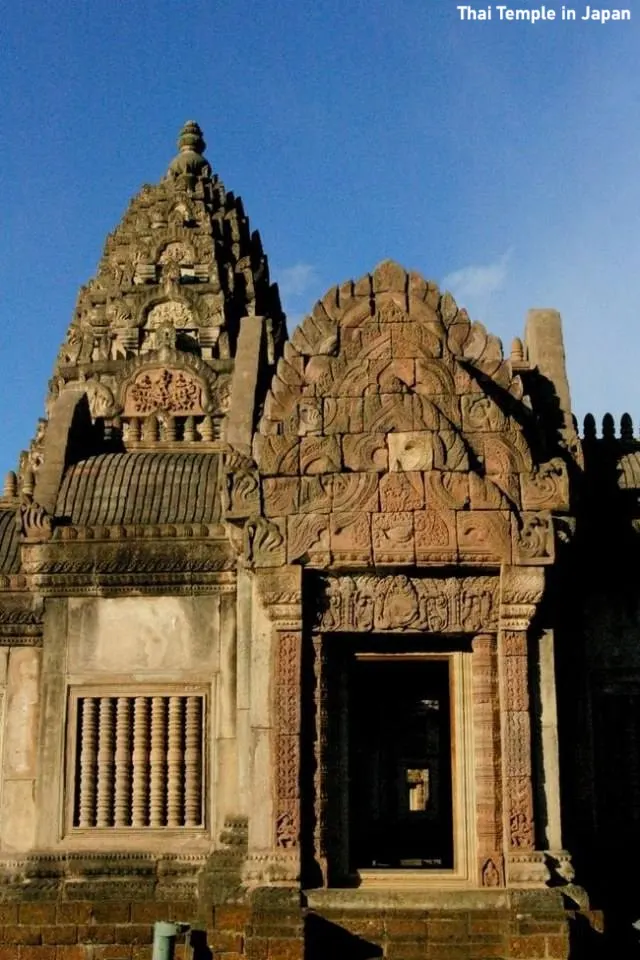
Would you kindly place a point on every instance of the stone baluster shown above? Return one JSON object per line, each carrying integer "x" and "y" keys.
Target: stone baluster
{"x": 174, "y": 764}
{"x": 105, "y": 763}
{"x": 151, "y": 429}
{"x": 157, "y": 759}
{"x": 88, "y": 757}
{"x": 192, "y": 762}
{"x": 134, "y": 430}
{"x": 189, "y": 430}
{"x": 170, "y": 429}
{"x": 122, "y": 810}
{"x": 206, "y": 429}
{"x": 140, "y": 761}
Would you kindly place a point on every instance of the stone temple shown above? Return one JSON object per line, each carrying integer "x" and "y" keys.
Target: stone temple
{"x": 326, "y": 646}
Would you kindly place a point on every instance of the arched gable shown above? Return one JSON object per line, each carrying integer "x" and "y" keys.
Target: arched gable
{"x": 395, "y": 432}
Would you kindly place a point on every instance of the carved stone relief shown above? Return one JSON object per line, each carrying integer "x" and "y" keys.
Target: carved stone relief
{"x": 447, "y": 605}
{"x": 172, "y": 391}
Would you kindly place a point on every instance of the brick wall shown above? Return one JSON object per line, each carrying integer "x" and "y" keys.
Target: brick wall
{"x": 113, "y": 930}
{"x": 274, "y": 926}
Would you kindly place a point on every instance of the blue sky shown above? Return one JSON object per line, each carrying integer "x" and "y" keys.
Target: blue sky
{"x": 500, "y": 159}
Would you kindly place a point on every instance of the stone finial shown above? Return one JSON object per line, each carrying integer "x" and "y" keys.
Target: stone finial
{"x": 517, "y": 351}
{"x": 10, "y": 485}
{"x": 190, "y": 161}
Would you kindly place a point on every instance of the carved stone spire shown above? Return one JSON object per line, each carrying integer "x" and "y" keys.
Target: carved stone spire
{"x": 178, "y": 274}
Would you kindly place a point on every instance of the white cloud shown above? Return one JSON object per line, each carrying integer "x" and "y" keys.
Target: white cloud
{"x": 296, "y": 281}
{"x": 474, "y": 285}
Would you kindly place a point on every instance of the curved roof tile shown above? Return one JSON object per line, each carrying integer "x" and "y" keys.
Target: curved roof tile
{"x": 9, "y": 542}
{"x": 124, "y": 488}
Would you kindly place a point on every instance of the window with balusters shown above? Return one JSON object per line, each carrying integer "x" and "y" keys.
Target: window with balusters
{"x": 137, "y": 761}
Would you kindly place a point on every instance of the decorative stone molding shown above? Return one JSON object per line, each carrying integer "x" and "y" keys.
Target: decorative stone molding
{"x": 281, "y": 593}
{"x": 156, "y": 531}
{"x": 271, "y": 867}
{"x": 68, "y": 566}
{"x": 521, "y": 590}
{"x": 440, "y": 605}
{"x": 21, "y": 618}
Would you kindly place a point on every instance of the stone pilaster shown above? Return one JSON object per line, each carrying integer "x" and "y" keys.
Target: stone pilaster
{"x": 488, "y": 761}
{"x": 521, "y": 591}
{"x": 280, "y": 598}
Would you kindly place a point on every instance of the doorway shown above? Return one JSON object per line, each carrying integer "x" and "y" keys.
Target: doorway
{"x": 400, "y": 769}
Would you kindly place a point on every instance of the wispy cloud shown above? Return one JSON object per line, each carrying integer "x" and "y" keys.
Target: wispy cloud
{"x": 473, "y": 286}
{"x": 295, "y": 281}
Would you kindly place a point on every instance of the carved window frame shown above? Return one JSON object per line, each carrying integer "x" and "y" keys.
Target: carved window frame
{"x": 110, "y": 836}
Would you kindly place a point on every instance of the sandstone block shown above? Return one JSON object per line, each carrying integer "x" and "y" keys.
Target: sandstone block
{"x": 355, "y": 491}
{"x": 365, "y": 451}
{"x": 402, "y": 491}
{"x": 350, "y": 537}
{"x": 320, "y": 455}
{"x": 393, "y": 538}
{"x": 412, "y": 450}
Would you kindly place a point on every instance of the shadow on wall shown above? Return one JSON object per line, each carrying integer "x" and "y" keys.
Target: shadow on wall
{"x": 324, "y": 939}
{"x": 199, "y": 946}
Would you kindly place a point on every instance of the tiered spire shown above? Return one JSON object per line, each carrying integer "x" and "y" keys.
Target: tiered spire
{"x": 177, "y": 276}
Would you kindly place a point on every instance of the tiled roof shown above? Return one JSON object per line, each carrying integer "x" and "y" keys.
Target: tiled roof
{"x": 128, "y": 488}
{"x": 9, "y": 542}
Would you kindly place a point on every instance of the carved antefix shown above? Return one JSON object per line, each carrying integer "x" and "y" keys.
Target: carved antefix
{"x": 439, "y": 605}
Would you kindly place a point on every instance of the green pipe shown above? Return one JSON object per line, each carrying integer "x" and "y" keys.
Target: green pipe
{"x": 164, "y": 938}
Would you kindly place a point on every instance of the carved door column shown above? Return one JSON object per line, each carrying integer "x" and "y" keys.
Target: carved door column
{"x": 288, "y": 679}
{"x": 521, "y": 591}
{"x": 279, "y": 602}
{"x": 488, "y": 760}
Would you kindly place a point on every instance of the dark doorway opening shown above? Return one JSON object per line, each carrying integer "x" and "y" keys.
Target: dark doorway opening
{"x": 400, "y": 795}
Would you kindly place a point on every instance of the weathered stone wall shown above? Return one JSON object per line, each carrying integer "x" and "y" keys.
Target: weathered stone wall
{"x": 20, "y": 713}
{"x": 119, "y": 646}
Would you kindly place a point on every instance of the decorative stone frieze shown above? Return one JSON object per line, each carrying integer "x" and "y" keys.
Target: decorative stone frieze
{"x": 440, "y": 605}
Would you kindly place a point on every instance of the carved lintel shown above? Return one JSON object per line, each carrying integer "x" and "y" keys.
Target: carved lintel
{"x": 441, "y": 605}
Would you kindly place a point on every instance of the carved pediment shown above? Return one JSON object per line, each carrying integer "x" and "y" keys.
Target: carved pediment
{"x": 169, "y": 381}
